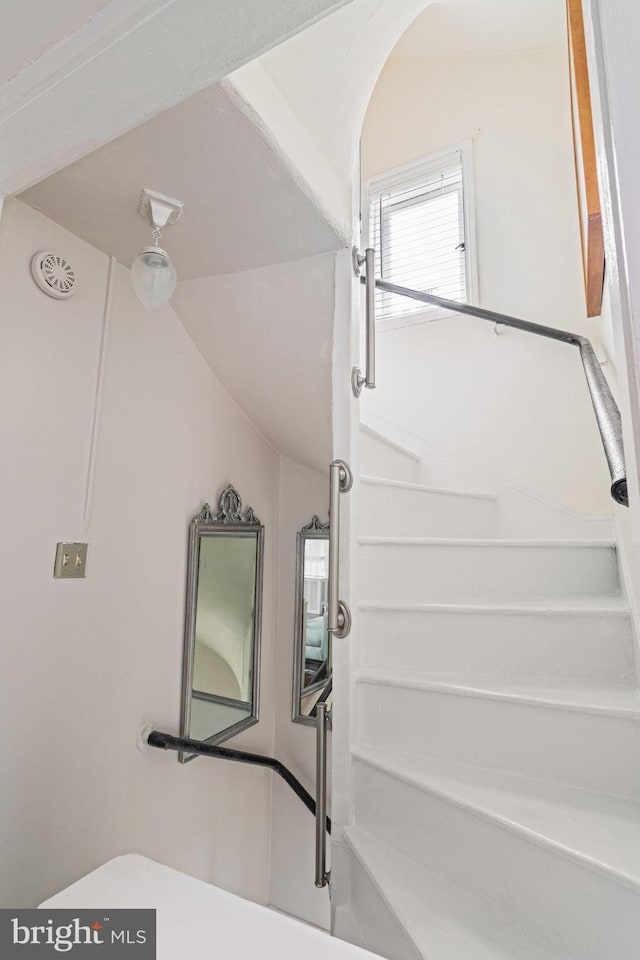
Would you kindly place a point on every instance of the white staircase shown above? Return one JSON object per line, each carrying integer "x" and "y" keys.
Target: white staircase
{"x": 496, "y": 746}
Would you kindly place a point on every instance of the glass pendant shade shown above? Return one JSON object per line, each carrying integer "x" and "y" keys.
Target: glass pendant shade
{"x": 153, "y": 277}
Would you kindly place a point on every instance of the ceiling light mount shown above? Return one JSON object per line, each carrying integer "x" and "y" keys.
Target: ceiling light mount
{"x": 159, "y": 210}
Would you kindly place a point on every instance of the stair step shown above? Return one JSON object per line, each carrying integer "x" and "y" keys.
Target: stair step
{"x": 575, "y": 906}
{"x": 613, "y": 699}
{"x": 415, "y": 569}
{"x": 580, "y": 733}
{"x": 442, "y": 921}
{"x": 596, "y": 830}
{"x": 581, "y": 638}
{"x": 397, "y": 507}
{"x": 412, "y": 487}
{"x": 383, "y": 457}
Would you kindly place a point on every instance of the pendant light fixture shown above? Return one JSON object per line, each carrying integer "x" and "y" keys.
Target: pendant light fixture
{"x": 153, "y": 275}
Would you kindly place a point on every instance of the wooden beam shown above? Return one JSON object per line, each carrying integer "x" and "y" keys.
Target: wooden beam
{"x": 586, "y": 164}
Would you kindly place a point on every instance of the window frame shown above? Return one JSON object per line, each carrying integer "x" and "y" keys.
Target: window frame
{"x": 408, "y": 171}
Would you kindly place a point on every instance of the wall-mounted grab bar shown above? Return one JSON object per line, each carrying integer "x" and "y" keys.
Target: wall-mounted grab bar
{"x": 166, "y": 741}
{"x": 604, "y": 406}
{"x": 368, "y": 380}
{"x": 339, "y": 615}
{"x": 322, "y": 875}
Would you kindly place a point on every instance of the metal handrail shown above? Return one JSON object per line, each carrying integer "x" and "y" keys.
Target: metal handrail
{"x": 322, "y": 875}
{"x": 604, "y": 406}
{"x": 166, "y": 741}
{"x": 339, "y": 615}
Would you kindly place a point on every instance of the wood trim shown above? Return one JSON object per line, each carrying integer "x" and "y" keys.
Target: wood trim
{"x": 586, "y": 171}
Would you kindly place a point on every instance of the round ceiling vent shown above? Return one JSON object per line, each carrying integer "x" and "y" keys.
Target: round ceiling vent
{"x": 53, "y": 274}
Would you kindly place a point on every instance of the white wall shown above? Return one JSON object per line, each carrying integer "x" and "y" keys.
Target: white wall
{"x": 513, "y": 405}
{"x": 86, "y": 663}
{"x": 309, "y": 95}
{"x": 303, "y": 493}
{"x": 327, "y": 72}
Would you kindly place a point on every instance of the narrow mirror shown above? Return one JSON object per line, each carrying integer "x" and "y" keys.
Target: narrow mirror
{"x": 222, "y": 623}
{"x": 312, "y": 680}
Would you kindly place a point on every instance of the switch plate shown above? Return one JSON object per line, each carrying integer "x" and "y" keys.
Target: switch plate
{"x": 71, "y": 560}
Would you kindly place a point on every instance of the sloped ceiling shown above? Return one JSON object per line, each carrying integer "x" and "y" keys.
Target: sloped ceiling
{"x": 268, "y": 335}
{"x": 75, "y": 74}
{"x": 253, "y": 252}
{"x": 244, "y": 208}
{"x": 33, "y": 35}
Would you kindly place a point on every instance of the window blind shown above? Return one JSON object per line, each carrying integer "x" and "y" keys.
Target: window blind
{"x": 416, "y": 224}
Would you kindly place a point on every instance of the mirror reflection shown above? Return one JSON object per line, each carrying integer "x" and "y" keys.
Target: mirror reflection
{"x": 222, "y": 632}
{"x": 223, "y": 657}
{"x": 312, "y": 651}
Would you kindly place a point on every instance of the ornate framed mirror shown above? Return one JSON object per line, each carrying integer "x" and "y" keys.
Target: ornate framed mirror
{"x": 312, "y": 679}
{"x": 220, "y": 683}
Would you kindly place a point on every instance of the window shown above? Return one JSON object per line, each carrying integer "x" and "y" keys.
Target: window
{"x": 419, "y": 228}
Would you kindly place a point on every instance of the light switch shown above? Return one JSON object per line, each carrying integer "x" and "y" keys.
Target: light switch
{"x": 71, "y": 560}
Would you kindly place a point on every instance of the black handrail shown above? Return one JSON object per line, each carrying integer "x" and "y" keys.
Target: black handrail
{"x": 165, "y": 741}
{"x": 604, "y": 404}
